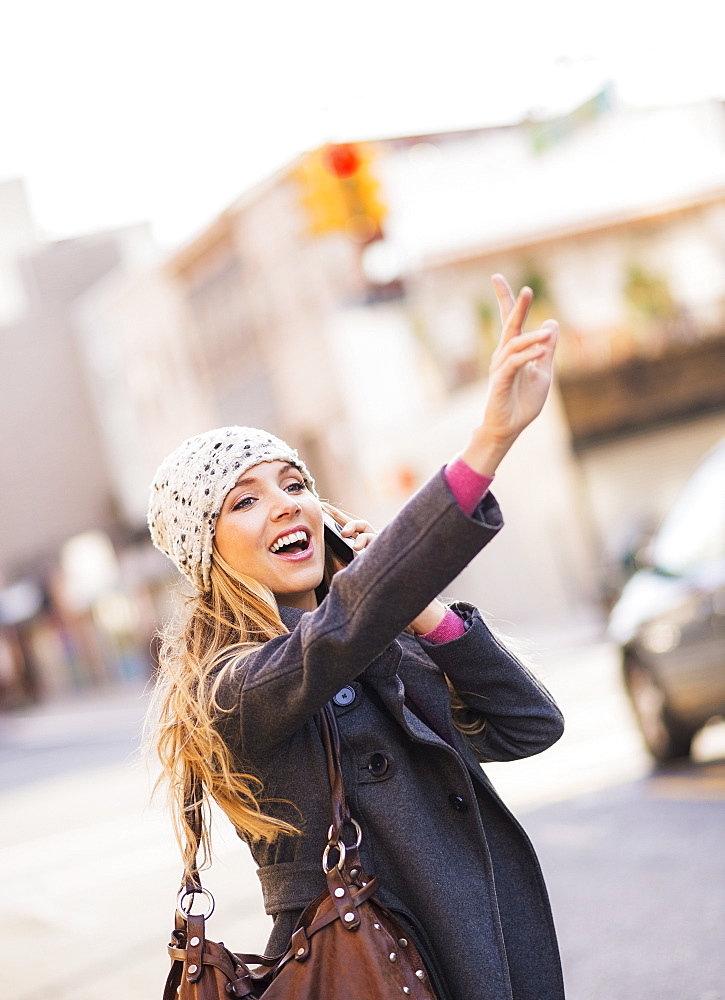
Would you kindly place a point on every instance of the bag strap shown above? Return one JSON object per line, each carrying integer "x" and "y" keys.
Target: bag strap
{"x": 331, "y": 742}
{"x": 192, "y": 808}
{"x": 330, "y": 734}
{"x": 345, "y": 901}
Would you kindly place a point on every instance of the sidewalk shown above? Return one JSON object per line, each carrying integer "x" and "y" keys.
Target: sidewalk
{"x": 91, "y": 869}
{"x": 80, "y": 730}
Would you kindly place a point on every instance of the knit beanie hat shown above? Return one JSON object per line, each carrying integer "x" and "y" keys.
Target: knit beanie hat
{"x": 190, "y": 485}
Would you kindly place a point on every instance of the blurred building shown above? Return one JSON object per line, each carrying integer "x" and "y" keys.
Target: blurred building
{"x": 53, "y": 454}
{"x": 55, "y": 466}
{"x": 232, "y": 328}
{"x": 641, "y": 360}
{"x": 18, "y": 235}
{"x": 616, "y": 218}
{"x": 345, "y": 304}
{"x": 260, "y": 290}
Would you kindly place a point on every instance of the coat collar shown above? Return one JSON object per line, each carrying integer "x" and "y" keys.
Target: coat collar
{"x": 290, "y": 616}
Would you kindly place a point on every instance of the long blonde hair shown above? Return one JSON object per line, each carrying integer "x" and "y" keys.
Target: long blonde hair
{"x": 197, "y": 653}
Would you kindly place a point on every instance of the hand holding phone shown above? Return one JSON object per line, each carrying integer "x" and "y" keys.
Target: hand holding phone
{"x": 340, "y": 545}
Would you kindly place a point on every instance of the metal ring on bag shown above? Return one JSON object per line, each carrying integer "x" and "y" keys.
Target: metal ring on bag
{"x": 358, "y": 834}
{"x": 339, "y": 845}
{"x": 194, "y": 892}
{"x": 326, "y": 854}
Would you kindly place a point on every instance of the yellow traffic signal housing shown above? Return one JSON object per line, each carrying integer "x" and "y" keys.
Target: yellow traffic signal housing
{"x": 340, "y": 192}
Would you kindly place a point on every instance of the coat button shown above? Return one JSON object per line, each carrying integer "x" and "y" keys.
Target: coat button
{"x": 378, "y": 764}
{"x": 345, "y": 696}
{"x": 458, "y": 803}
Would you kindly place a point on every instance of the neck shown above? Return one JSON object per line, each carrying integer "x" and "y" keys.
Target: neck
{"x": 303, "y": 602}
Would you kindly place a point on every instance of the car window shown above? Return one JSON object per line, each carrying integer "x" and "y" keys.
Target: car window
{"x": 694, "y": 531}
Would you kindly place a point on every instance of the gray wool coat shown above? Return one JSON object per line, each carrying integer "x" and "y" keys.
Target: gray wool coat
{"x": 452, "y": 860}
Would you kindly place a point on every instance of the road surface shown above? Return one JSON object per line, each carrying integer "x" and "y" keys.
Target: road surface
{"x": 634, "y": 860}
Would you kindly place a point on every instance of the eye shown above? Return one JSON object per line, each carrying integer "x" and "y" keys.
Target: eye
{"x": 296, "y": 487}
{"x": 243, "y": 503}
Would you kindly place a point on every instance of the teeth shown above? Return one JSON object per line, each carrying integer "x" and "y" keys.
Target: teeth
{"x": 295, "y": 536}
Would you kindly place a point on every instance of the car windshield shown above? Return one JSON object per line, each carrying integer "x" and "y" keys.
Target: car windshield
{"x": 693, "y": 534}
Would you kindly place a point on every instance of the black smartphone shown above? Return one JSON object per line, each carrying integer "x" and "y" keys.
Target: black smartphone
{"x": 342, "y": 547}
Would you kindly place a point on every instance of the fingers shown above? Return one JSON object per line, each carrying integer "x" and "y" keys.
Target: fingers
{"x": 513, "y": 311}
{"x": 355, "y": 530}
{"x": 526, "y": 347}
{"x": 356, "y": 527}
{"x": 524, "y": 341}
{"x": 360, "y": 532}
{"x": 362, "y": 541}
{"x": 516, "y": 316}
{"x": 517, "y": 361}
{"x": 504, "y": 296}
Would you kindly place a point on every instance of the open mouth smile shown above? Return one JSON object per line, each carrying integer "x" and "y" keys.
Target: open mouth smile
{"x": 296, "y": 545}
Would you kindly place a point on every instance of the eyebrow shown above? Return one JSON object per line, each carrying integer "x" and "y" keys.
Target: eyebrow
{"x": 250, "y": 480}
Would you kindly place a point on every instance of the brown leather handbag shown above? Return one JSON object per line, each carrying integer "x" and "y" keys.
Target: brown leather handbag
{"x": 346, "y": 944}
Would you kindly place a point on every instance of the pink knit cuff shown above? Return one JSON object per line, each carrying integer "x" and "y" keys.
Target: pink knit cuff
{"x": 467, "y": 486}
{"x": 451, "y": 627}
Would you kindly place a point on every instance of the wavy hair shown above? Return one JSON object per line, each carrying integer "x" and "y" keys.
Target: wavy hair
{"x": 198, "y": 651}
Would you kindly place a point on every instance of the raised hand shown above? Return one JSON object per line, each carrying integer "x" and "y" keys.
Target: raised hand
{"x": 519, "y": 379}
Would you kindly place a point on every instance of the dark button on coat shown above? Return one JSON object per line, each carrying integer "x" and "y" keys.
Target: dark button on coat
{"x": 452, "y": 860}
{"x": 378, "y": 764}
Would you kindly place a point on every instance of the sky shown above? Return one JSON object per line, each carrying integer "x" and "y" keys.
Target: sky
{"x": 167, "y": 111}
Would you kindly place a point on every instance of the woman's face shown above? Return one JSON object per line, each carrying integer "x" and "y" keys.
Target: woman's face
{"x": 270, "y": 503}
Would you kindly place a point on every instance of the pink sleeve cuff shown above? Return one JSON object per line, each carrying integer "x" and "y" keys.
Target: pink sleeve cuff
{"x": 450, "y": 628}
{"x": 467, "y": 486}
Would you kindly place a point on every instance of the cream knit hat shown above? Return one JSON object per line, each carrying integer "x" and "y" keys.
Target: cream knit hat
{"x": 190, "y": 485}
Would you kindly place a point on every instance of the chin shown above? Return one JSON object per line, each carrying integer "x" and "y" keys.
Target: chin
{"x": 299, "y": 588}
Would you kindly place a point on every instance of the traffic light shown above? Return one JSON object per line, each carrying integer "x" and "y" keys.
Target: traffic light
{"x": 340, "y": 192}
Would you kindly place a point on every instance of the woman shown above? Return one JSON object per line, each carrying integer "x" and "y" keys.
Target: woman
{"x": 422, "y": 693}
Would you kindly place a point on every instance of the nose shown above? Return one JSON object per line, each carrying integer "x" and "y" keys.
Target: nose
{"x": 284, "y": 504}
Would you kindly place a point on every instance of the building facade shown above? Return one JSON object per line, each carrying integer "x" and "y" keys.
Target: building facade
{"x": 345, "y": 304}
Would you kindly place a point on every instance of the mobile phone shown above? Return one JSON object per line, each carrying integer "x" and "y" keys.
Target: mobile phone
{"x": 341, "y": 546}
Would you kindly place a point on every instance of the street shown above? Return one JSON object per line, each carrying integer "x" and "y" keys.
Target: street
{"x": 634, "y": 859}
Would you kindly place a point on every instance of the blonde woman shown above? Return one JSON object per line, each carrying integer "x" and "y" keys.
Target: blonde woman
{"x": 422, "y": 693}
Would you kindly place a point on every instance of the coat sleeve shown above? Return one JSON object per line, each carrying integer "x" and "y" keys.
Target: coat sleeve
{"x": 282, "y": 683}
{"x": 522, "y": 719}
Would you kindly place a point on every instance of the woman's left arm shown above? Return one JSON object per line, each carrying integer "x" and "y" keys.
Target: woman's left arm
{"x": 519, "y": 379}
{"x": 522, "y": 719}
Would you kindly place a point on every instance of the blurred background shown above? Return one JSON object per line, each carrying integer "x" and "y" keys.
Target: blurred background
{"x": 288, "y": 217}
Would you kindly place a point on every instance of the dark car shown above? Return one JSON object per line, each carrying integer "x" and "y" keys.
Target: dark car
{"x": 670, "y": 618}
